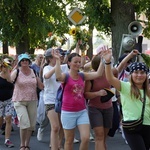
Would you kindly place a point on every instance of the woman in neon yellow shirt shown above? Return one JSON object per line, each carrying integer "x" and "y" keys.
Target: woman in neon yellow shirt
{"x": 132, "y": 99}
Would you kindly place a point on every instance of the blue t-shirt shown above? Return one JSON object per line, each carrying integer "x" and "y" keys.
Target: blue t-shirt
{"x": 36, "y": 68}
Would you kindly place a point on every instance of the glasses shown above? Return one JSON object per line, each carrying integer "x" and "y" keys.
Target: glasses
{"x": 24, "y": 60}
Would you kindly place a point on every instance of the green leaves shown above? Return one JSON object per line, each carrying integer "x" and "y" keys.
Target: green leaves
{"x": 146, "y": 59}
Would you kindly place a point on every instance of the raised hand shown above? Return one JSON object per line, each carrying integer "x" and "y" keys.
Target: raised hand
{"x": 106, "y": 54}
{"x": 135, "y": 52}
{"x": 56, "y": 54}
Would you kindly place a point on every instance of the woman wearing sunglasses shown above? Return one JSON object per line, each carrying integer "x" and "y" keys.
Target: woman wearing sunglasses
{"x": 25, "y": 98}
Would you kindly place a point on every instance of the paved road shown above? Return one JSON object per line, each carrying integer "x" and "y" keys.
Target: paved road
{"x": 115, "y": 143}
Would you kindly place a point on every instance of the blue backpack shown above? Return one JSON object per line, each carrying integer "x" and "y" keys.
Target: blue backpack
{"x": 59, "y": 95}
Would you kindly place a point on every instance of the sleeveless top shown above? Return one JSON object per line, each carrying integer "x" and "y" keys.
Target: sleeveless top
{"x": 25, "y": 87}
{"x": 99, "y": 84}
{"x": 6, "y": 89}
{"x": 73, "y": 96}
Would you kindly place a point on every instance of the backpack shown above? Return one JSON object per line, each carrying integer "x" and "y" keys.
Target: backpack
{"x": 59, "y": 95}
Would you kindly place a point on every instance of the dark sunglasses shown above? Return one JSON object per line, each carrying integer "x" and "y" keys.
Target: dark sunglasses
{"x": 24, "y": 60}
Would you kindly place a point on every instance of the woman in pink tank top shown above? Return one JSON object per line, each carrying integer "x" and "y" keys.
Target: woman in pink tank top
{"x": 74, "y": 113}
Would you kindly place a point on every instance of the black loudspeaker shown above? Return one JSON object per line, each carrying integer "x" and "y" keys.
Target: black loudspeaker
{"x": 138, "y": 45}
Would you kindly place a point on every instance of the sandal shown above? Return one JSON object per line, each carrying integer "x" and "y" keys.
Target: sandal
{"x": 22, "y": 147}
{"x": 27, "y": 147}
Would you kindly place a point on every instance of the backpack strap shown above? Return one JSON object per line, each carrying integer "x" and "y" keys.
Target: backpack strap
{"x": 66, "y": 78}
{"x": 81, "y": 75}
{"x": 34, "y": 72}
{"x": 16, "y": 76}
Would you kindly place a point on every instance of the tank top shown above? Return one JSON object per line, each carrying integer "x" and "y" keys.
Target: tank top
{"x": 6, "y": 89}
{"x": 99, "y": 84}
{"x": 73, "y": 96}
{"x": 25, "y": 87}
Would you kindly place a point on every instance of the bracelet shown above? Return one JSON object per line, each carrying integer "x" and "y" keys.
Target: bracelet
{"x": 107, "y": 63}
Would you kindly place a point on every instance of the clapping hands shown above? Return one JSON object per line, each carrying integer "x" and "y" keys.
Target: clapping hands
{"x": 56, "y": 54}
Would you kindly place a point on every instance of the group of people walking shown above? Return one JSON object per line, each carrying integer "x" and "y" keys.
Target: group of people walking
{"x": 82, "y": 105}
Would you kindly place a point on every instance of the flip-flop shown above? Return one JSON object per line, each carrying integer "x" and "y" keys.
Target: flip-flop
{"x": 27, "y": 147}
{"x": 22, "y": 147}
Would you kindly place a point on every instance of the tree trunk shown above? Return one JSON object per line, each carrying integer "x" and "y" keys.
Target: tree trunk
{"x": 31, "y": 51}
{"x": 90, "y": 42}
{"x": 23, "y": 46}
{"x": 122, "y": 14}
{"x": 5, "y": 47}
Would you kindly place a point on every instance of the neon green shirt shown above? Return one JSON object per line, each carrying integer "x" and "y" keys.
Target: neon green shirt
{"x": 132, "y": 108}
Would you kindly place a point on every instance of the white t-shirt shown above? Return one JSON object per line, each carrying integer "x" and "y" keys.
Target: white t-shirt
{"x": 51, "y": 85}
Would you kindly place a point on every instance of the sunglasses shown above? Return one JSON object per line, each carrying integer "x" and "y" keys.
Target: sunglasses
{"x": 24, "y": 60}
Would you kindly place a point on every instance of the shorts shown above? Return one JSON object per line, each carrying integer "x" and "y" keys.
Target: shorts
{"x": 72, "y": 119}
{"x": 49, "y": 107}
{"x": 27, "y": 114}
{"x": 6, "y": 108}
{"x": 100, "y": 117}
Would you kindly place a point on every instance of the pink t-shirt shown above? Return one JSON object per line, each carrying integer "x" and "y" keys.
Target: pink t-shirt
{"x": 25, "y": 87}
{"x": 73, "y": 96}
{"x": 99, "y": 84}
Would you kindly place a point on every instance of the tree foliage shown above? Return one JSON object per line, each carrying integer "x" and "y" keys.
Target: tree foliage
{"x": 27, "y": 23}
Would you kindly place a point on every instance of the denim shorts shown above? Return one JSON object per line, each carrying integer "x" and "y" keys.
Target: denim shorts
{"x": 72, "y": 119}
{"x": 6, "y": 108}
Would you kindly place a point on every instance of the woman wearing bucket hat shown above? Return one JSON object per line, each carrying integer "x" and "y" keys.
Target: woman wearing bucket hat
{"x": 133, "y": 94}
{"x": 25, "y": 98}
{"x": 6, "y": 105}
